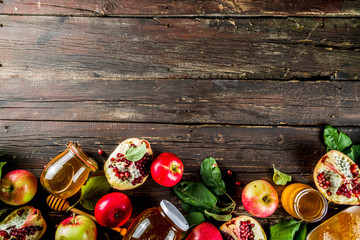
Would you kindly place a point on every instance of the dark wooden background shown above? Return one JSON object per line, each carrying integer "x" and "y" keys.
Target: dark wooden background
{"x": 249, "y": 82}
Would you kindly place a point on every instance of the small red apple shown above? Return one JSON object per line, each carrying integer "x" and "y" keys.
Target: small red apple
{"x": 18, "y": 187}
{"x": 260, "y": 198}
{"x": 76, "y": 228}
{"x": 204, "y": 231}
{"x": 113, "y": 210}
{"x": 167, "y": 169}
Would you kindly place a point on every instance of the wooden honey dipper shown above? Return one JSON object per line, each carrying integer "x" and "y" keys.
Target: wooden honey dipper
{"x": 61, "y": 205}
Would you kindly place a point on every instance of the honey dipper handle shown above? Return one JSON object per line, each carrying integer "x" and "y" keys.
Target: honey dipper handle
{"x": 122, "y": 231}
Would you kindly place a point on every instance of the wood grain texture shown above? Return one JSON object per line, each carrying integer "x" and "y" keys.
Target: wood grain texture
{"x": 240, "y": 102}
{"x": 186, "y": 101}
{"x": 146, "y": 48}
{"x": 184, "y": 8}
{"x": 243, "y": 149}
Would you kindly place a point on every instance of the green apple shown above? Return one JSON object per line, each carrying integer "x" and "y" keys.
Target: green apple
{"x": 76, "y": 228}
{"x": 18, "y": 187}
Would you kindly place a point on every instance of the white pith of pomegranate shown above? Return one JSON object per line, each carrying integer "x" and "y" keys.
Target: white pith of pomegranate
{"x": 242, "y": 228}
{"x": 25, "y": 223}
{"x": 337, "y": 177}
{"x": 123, "y": 174}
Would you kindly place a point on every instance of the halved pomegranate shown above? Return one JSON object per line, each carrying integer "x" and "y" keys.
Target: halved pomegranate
{"x": 337, "y": 177}
{"x": 25, "y": 223}
{"x": 242, "y": 228}
{"x": 123, "y": 174}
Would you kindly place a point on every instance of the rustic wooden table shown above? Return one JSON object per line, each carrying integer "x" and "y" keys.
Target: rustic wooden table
{"x": 250, "y": 83}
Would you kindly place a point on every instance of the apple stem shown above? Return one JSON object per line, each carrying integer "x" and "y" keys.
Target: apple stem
{"x": 9, "y": 189}
{"x": 73, "y": 219}
{"x": 174, "y": 168}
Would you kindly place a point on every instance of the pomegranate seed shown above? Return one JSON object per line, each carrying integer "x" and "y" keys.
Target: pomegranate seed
{"x": 100, "y": 152}
{"x": 328, "y": 193}
{"x": 237, "y": 183}
{"x": 229, "y": 172}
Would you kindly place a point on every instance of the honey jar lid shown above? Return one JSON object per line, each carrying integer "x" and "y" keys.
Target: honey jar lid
{"x": 79, "y": 152}
{"x": 175, "y": 215}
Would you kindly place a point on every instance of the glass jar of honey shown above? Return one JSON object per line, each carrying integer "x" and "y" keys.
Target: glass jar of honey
{"x": 64, "y": 175}
{"x": 303, "y": 202}
{"x": 161, "y": 223}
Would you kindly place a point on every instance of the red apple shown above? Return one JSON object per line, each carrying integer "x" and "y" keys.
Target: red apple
{"x": 76, "y": 228}
{"x": 260, "y": 198}
{"x": 113, "y": 210}
{"x": 18, "y": 187}
{"x": 167, "y": 169}
{"x": 204, "y": 231}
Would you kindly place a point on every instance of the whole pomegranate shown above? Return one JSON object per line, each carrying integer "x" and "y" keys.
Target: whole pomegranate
{"x": 123, "y": 172}
{"x": 337, "y": 177}
{"x": 242, "y": 228}
{"x": 25, "y": 223}
{"x": 204, "y": 231}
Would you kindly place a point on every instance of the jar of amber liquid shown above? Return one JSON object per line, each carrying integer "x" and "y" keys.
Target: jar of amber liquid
{"x": 164, "y": 222}
{"x": 64, "y": 175}
{"x": 304, "y": 202}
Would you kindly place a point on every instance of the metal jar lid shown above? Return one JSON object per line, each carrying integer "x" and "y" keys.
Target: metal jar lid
{"x": 175, "y": 215}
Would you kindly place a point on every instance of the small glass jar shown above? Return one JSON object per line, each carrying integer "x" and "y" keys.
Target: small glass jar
{"x": 64, "y": 175}
{"x": 161, "y": 223}
{"x": 303, "y": 202}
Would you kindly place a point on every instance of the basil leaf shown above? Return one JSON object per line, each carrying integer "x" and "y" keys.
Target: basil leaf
{"x": 335, "y": 139}
{"x": 353, "y": 152}
{"x": 1, "y": 166}
{"x": 301, "y": 235}
{"x": 194, "y": 218}
{"x": 95, "y": 188}
{"x": 284, "y": 230}
{"x": 280, "y": 178}
{"x": 195, "y": 194}
{"x": 211, "y": 176}
{"x": 134, "y": 154}
{"x": 219, "y": 217}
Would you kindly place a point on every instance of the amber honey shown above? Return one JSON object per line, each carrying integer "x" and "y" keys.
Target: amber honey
{"x": 64, "y": 175}
{"x": 304, "y": 202}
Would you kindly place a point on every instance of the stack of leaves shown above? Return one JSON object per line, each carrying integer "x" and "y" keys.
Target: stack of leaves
{"x": 337, "y": 140}
{"x": 288, "y": 230}
{"x": 201, "y": 199}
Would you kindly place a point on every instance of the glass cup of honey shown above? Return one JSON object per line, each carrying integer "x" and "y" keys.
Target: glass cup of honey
{"x": 303, "y": 202}
{"x": 64, "y": 175}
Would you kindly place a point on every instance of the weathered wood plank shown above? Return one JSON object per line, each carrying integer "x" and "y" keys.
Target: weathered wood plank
{"x": 185, "y": 101}
{"x": 183, "y": 8}
{"x": 142, "y": 48}
{"x": 243, "y": 149}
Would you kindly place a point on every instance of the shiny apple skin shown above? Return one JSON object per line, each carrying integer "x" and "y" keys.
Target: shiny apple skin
{"x": 18, "y": 187}
{"x": 113, "y": 210}
{"x": 260, "y": 198}
{"x": 78, "y": 228}
{"x": 204, "y": 231}
{"x": 167, "y": 169}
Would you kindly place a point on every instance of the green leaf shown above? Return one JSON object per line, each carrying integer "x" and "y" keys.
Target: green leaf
{"x": 301, "y": 234}
{"x": 1, "y": 166}
{"x": 134, "y": 154}
{"x": 195, "y": 194}
{"x": 195, "y": 218}
{"x": 219, "y": 217}
{"x": 335, "y": 139}
{"x": 284, "y": 230}
{"x": 211, "y": 176}
{"x": 353, "y": 152}
{"x": 280, "y": 178}
{"x": 95, "y": 188}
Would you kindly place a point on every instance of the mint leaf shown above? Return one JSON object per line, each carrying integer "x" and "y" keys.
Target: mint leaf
{"x": 353, "y": 152}
{"x": 134, "y": 154}
{"x": 335, "y": 139}
{"x": 219, "y": 217}
{"x": 211, "y": 176}
{"x": 301, "y": 234}
{"x": 280, "y": 178}
{"x": 95, "y": 188}
{"x": 1, "y": 166}
{"x": 195, "y": 218}
{"x": 284, "y": 230}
